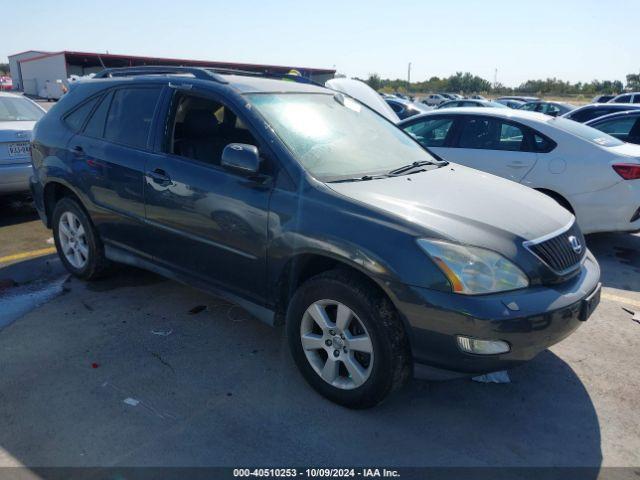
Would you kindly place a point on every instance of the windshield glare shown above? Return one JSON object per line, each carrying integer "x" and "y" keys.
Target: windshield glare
{"x": 334, "y": 137}
{"x": 18, "y": 109}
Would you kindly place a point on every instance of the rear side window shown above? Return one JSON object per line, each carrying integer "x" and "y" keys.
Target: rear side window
{"x": 75, "y": 120}
{"x": 624, "y": 99}
{"x": 130, "y": 116}
{"x": 430, "y": 132}
{"x": 589, "y": 114}
{"x": 619, "y": 127}
{"x": 636, "y": 98}
{"x": 95, "y": 125}
{"x": 491, "y": 134}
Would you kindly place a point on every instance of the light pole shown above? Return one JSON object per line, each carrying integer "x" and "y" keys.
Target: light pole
{"x": 409, "y": 75}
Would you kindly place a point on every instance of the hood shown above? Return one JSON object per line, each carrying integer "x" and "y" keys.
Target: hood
{"x": 365, "y": 94}
{"x": 464, "y": 205}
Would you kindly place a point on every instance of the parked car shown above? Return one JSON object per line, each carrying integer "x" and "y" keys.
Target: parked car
{"x": 478, "y": 97}
{"x": 518, "y": 98}
{"x": 589, "y": 112}
{"x": 587, "y": 171}
{"x": 303, "y": 205}
{"x": 404, "y": 108}
{"x": 633, "y": 97}
{"x": 6, "y": 84}
{"x": 624, "y": 126}
{"x": 470, "y": 103}
{"x": 18, "y": 115}
{"x": 549, "y": 108}
{"x": 435, "y": 99}
{"x": 602, "y": 98}
{"x": 509, "y": 103}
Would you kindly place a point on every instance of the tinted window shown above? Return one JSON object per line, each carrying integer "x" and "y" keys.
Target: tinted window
{"x": 529, "y": 106}
{"x": 619, "y": 127}
{"x": 491, "y": 134}
{"x": 130, "y": 115}
{"x": 76, "y": 118}
{"x": 549, "y": 109}
{"x": 430, "y": 132}
{"x": 624, "y": 99}
{"x": 589, "y": 114}
{"x": 636, "y": 98}
{"x": 396, "y": 107}
{"x": 95, "y": 125}
{"x": 583, "y": 131}
{"x": 542, "y": 144}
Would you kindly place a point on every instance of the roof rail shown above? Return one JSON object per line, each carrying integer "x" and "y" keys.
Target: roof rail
{"x": 202, "y": 73}
{"x": 199, "y": 73}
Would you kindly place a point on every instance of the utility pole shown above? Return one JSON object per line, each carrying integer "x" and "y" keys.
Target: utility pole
{"x": 409, "y": 75}
{"x": 495, "y": 78}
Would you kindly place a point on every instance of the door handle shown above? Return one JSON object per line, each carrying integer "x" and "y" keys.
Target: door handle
{"x": 160, "y": 177}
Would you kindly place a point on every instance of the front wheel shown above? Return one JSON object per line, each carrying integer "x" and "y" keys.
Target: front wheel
{"x": 347, "y": 340}
{"x": 78, "y": 244}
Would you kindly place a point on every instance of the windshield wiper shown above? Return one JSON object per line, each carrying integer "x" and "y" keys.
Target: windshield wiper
{"x": 411, "y": 166}
{"x": 364, "y": 178}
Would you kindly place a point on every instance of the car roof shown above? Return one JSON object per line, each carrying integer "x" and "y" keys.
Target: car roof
{"x": 620, "y": 106}
{"x": 507, "y": 113}
{"x": 614, "y": 115}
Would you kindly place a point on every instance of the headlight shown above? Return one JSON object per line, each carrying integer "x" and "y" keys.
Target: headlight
{"x": 474, "y": 270}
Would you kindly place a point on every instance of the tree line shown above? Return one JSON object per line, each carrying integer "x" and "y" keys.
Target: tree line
{"x": 468, "y": 83}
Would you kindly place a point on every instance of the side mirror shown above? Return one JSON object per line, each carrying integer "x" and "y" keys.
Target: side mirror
{"x": 241, "y": 157}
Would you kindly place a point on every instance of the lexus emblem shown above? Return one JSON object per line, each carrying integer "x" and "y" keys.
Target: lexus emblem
{"x": 575, "y": 244}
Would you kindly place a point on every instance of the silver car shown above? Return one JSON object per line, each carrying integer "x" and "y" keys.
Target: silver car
{"x": 18, "y": 115}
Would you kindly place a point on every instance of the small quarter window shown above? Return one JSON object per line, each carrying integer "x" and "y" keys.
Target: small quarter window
{"x": 77, "y": 117}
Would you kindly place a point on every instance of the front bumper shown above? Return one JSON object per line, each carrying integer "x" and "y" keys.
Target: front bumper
{"x": 14, "y": 178}
{"x": 538, "y": 318}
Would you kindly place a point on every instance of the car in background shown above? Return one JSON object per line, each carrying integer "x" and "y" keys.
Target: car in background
{"x": 18, "y": 115}
{"x": 470, "y": 103}
{"x": 594, "y": 110}
{"x": 6, "y": 84}
{"x": 478, "y": 97}
{"x": 308, "y": 208}
{"x": 435, "y": 99}
{"x": 624, "y": 126}
{"x": 452, "y": 96}
{"x": 518, "y": 98}
{"x": 632, "y": 97}
{"x": 548, "y": 108}
{"x": 365, "y": 94}
{"x": 602, "y": 98}
{"x": 405, "y": 108}
{"x": 509, "y": 102}
{"x": 590, "y": 173}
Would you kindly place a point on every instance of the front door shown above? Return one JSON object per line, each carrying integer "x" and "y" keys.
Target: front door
{"x": 207, "y": 221}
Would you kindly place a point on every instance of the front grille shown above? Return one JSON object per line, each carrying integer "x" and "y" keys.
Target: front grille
{"x": 558, "y": 252}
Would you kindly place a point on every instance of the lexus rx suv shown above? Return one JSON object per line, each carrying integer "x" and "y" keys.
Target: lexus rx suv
{"x": 307, "y": 208}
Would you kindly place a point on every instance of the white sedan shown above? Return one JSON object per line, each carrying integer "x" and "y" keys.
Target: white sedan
{"x": 18, "y": 115}
{"x": 592, "y": 174}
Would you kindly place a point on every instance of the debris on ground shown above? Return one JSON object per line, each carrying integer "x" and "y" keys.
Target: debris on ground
{"x": 635, "y": 316}
{"x": 494, "y": 377}
{"x": 197, "y": 309}
{"x": 162, "y": 333}
{"x": 131, "y": 401}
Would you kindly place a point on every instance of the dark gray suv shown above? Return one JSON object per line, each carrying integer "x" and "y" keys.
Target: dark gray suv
{"x": 307, "y": 208}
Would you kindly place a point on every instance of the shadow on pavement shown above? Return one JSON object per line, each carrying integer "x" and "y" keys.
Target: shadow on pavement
{"x": 16, "y": 209}
{"x": 619, "y": 257}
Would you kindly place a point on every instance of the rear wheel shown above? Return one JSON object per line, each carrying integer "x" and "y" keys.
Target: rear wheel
{"x": 77, "y": 241}
{"x": 347, "y": 340}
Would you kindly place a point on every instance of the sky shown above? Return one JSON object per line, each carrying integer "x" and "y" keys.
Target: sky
{"x": 568, "y": 39}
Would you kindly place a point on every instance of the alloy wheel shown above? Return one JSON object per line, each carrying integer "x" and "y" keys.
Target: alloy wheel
{"x": 73, "y": 240}
{"x": 337, "y": 344}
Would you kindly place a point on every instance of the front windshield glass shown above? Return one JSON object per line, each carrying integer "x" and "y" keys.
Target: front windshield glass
{"x": 18, "y": 109}
{"x": 334, "y": 137}
{"x": 588, "y": 133}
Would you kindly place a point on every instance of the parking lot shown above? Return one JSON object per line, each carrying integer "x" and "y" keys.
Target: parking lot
{"x": 136, "y": 370}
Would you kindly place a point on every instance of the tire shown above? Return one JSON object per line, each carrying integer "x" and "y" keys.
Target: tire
{"x": 91, "y": 262}
{"x": 376, "y": 374}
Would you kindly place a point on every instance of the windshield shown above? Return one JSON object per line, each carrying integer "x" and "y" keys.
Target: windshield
{"x": 588, "y": 133}
{"x": 18, "y": 109}
{"x": 334, "y": 137}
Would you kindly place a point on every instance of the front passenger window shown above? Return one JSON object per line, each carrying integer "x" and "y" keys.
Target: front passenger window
{"x": 432, "y": 132}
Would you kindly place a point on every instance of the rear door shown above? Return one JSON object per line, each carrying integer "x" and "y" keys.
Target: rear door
{"x": 109, "y": 153}
{"x": 493, "y": 145}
